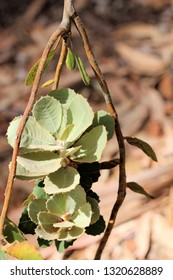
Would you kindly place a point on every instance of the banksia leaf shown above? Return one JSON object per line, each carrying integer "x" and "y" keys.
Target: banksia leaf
{"x": 145, "y": 147}
{"x": 70, "y": 60}
{"x": 92, "y": 145}
{"x": 48, "y": 113}
{"x": 133, "y": 186}
{"x": 32, "y": 73}
{"x": 82, "y": 70}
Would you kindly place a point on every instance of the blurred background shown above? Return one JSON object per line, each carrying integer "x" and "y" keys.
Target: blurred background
{"x": 133, "y": 44}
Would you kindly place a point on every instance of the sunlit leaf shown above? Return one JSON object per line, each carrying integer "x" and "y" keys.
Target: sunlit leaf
{"x": 82, "y": 70}
{"x": 66, "y": 132}
{"x": 37, "y": 164}
{"x": 82, "y": 217}
{"x": 64, "y": 96}
{"x": 48, "y": 83}
{"x": 32, "y": 73}
{"x": 33, "y": 134}
{"x": 95, "y": 209}
{"x": 63, "y": 180}
{"x": 133, "y": 186}
{"x": 145, "y": 147}
{"x": 46, "y": 220}
{"x": 103, "y": 118}
{"x": 70, "y": 60}
{"x": 92, "y": 145}
{"x": 23, "y": 251}
{"x": 81, "y": 119}
{"x": 48, "y": 113}
{"x": 67, "y": 203}
{"x": 63, "y": 234}
{"x": 36, "y": 206}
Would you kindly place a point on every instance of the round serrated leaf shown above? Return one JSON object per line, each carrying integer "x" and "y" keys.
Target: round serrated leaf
{"x": 34, "y": 207}
{"x": 82, "y": 217}
{"x": 46, "y": 221}
{"x": 81, "y": 118}
{"x": 67, "y": 203}
{"x": 103, "y": 118}
{"x": 48, "y": 113}
{"x": 63, "y": 234}
{"x": 63, "y": 180}
{"x": 92, "y": 145}
{"x": 33, "y": 134}
{"x": 64, "y": 96}
{"x": 37, "y": 164}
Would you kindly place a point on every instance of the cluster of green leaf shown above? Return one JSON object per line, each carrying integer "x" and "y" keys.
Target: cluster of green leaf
{"x": 60, "y": 149}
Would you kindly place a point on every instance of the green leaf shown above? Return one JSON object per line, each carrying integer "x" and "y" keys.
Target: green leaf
{"x": 133, "y": 186}
{"x": 36, "y": 206}
{"x": 39, "y": 192}
{"x": 92, "y": 145}
{"x": 82, "y": 217}
{"x": 12, "y": 232}
{"x": 96, "y": 228}
{"x": 3, "y": 255}
{"x": 63, "y": 234}
{"x": 46, "y": 221}
{"x": 48, "y": 83}
{"x": 38, "y": 164}
{"x": 23, "y": 251}
{"x": 67, "y": 203}
{"x": 32, "y": 73}
{"x": 48, "y": 113}
{"x": 81, "y": 119}
{"x": 66, "y": 132}
{"x": 25, "y": 223}
{"x": 33, "y": 134}
{"x": 95, "y": 209}
{"x": 62, "y": 245}
{"x": 145, "y": 147}
{"x": 103, "y": 118}
{"x": 82, "y": 70}
{"x": 70, "y": 60}
{"x": 63, "y": 180}
{"x": 64, "y": 96}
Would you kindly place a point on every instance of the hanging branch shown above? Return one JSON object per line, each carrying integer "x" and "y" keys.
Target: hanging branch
{"x": 63, "y": 28}
{"x": 120, "y": 139}
{"x": 60, "y": 64}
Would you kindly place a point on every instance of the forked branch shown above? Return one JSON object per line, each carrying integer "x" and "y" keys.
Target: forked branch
{"x": 63, "y": 30}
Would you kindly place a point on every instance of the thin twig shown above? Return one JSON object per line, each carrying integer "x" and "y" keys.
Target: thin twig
{"x": 63, "y": 28}
{"x": 120, "y": 139}
{"x": 60, "y": 64}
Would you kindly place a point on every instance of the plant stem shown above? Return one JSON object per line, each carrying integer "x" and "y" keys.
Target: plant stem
{"x": 63, "y": 28}
{"x": 120, "y": 139}
{"x": 60, "y": 64}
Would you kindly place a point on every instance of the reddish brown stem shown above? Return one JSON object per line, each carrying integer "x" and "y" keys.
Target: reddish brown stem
{"x": 24, "y": 119}
{"x": 120, "y": 139}
{"x": 60, "y": 64}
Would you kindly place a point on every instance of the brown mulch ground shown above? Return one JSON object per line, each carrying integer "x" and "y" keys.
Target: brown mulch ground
{"x": 133, "y": 43}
